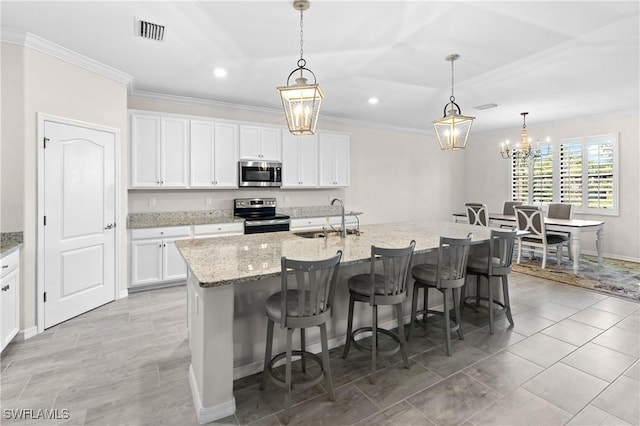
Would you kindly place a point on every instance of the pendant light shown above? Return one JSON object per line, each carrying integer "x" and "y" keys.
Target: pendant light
{"x": 301, "y": 101}
{"x": 453, "y": 128}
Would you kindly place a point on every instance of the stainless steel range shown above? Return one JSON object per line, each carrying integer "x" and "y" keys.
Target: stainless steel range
{"x": 260, "y": 215}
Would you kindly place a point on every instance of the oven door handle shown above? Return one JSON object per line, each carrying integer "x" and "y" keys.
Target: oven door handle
{"x": 266, "y": 222}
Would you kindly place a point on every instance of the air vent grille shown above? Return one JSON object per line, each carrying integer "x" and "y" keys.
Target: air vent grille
{"x": 485, "y": 106}
{"x": 151, "y": 31}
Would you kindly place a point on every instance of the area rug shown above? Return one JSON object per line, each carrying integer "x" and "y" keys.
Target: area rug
{"x": 616, "y": 277}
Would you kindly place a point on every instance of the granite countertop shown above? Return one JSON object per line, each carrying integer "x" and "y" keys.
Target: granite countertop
{"x": 10, "y": 242}
{"x": 235, "y": 259}
{"x": 204, "y": 217}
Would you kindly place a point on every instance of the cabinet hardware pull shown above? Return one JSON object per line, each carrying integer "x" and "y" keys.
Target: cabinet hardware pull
{"x": 5, "y": 266}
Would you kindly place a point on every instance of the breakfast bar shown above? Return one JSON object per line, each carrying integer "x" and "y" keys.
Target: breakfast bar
{"x": 229, "y": 279}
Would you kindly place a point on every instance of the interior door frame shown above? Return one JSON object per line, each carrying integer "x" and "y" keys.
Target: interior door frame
{"x": 40, "y": 249}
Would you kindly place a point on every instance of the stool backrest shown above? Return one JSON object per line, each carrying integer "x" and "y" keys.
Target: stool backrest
{"x": 501, "y": 251}
{"x": 396, "y": 263}
{"x": 477, "y": 214}
{"x": 316, "y": 285}
{"x": 530, "y": 219}
{"x": 452, "y": 261}
{"x": 507, "y": 208}
{"x": 560, "y": 211}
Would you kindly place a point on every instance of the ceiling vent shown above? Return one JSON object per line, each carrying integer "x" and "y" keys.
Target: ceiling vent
{"x": 485, "y": 106}
{"x": 150, "y": 30}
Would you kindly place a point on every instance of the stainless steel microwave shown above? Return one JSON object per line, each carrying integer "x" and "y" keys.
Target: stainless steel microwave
{"x": 259, "y": 173}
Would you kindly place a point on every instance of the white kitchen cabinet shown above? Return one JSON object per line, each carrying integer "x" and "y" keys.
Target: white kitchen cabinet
{"x": 260, "y": 143}
{"x": 154, "y": 256}
{"x": 299, "y": 161}
{"x": 218, "y": 229}
{"x": 333, "y": 162}
{"x": 317, "y": 223}
{"x": 159, "y": 151}
{"x": 9, "y": 298}
{"x": 214, "y": 155}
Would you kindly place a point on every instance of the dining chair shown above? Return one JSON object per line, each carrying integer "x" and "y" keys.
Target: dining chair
{"x": 507, "y": 207}
{"x": 477, "y": 214}
{"x": 495, "y": 264}
{"x": 530, "y": 220}
{"x": 305, "y": 300}
{"x": 379, "y": 289}
{"x": 448, "y": 277}
{"x": 561, "y": 211}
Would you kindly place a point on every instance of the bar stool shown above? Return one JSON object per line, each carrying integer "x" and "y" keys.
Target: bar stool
{"x": 496, "y": 264}
{"x": 388, "y": 288}
{"x": 448, "y": 277}
{"x": 305, "y": 300}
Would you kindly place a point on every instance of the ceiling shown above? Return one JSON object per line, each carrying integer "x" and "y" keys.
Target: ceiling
{"x": 556, "y": 60}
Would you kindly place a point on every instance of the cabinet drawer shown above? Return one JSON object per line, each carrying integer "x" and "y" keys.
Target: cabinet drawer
{"x": 10, "y": 262}
{"x": 213, "y": 229}
{"x": 174, "y": 231}
{"x": 308, "y": 223}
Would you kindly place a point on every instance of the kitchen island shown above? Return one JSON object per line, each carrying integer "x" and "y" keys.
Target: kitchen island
{"x": 230, "y": 278}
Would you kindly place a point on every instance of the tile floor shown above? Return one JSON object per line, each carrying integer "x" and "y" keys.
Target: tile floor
{"x": 572, "y": 358}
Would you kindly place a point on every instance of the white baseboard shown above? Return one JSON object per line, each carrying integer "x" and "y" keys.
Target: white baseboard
{"x": 611, "y": 256}
{"x": 209, "y": 414}
{"x": 27, "y": 333}
{"x": 123, "y": 294}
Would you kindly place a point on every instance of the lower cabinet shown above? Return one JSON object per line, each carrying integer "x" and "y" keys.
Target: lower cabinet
{"x": 154, "y": 256}
{"x": 310, "y": 223}
{"x": 9, "y": 298}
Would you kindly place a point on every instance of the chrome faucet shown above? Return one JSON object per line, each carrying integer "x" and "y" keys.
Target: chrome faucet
{"x": 343, "y": 232}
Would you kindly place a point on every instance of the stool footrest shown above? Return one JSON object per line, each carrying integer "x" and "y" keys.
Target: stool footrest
{"x": 476, "y": 299}
{"x": 313, "y": 380}
{"x": 454, "y": 327}
{"x": 366, "y": 348}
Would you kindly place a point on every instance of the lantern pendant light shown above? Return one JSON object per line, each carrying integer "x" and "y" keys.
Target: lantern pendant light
{"x": 453, "y": 128}
{"x": 301, "y": 101}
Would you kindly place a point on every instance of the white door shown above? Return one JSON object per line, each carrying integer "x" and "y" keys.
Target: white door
{"x": 79, "y": 209}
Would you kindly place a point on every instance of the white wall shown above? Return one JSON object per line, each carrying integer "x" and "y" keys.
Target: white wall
{"x": 487, "y": 175}
{"x": 395, "y": 176}
{"x": 59, "y": 88}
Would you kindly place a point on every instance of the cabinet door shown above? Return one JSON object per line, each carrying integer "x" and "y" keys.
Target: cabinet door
{"x": 308, "y": 161}
{"x": 333, "y": 159}
{"x": 202, "y": 154}
{"x": 270, "y": 144}
{"x": 146, "y": 262}
{"x": 9, "y": 302}
{"x": 225, "y": 157}
{"x": 290, "y": 161}
{"x": 145, "y": 151}
{"x": 174, "y": 266}
{"x": 174, "y": 152}
{"x": 250, "y": 142}
{"x": 342, "y": 159}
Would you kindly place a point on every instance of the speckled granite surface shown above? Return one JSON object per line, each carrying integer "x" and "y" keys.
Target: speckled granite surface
{"x": 203, "y": 217}
{"x": 9, "y": 242}
{"x": 235, "y": 259}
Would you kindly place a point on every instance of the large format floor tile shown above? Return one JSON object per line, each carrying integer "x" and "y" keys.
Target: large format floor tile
{"x": 542, "y": 349}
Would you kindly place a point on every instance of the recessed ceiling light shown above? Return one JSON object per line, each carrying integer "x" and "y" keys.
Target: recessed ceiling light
{"x": 373, "y": 101}
{"x": 220, "y": 72}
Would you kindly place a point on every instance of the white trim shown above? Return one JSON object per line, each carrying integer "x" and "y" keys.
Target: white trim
{"x": 27, "y": 333}
{"x": 42, "y": 117}
{"x": 45, "y": 46}
{"x": 209, "y": 414}
{"x": 123, "y": 294}
{"x": 185, "y": 100}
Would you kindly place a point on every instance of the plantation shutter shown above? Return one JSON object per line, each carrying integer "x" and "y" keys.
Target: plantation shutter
{"x": 542, "y": 186}
{"x": 600, "y": 173}
{"x": 520, "y": 181}
{"x": 571, "y": 171}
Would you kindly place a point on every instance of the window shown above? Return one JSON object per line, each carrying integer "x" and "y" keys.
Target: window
{"x": 581, "y": 171}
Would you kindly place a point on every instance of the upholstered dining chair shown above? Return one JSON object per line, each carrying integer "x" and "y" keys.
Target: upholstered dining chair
{"x": 561, "y": 211}
{"x": 495, "y": 264}
{"x": 531, "y": 221}
{"x": 448, "y": 277}
{"x": 507, "y": 207}
{"x": 305, "y": 300}
{"x": 377, "y": 289}
{"x": 477, "y": 214}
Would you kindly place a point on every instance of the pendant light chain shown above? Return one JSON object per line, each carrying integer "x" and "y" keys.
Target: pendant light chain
{"x": 452, "y": 98}
{"x": 301, "y": 62}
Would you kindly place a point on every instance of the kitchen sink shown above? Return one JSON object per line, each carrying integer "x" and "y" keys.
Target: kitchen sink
{"x": 322, "y": 234}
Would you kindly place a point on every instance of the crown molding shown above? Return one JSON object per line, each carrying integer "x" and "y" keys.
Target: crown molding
{"x": 185, "y": 100}
{"x": 45, "y": 46}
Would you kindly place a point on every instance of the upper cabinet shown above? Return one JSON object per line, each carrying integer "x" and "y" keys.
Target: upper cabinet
{"x": 299, "y": 161}
{"x": 260, "y": 143}
{"x": 214, "y": 155}
{"x": 159, "y": 151}
{"x": 333, "y": 154}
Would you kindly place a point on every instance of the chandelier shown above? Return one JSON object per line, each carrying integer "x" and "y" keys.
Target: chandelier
{"x": 301, "y": 101}
{"x": 453, "y": 128}
{"x": 526, "y": 149}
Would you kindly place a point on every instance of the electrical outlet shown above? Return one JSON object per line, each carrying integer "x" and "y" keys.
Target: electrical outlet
{"x": 207, "y": 201}
{"x": 152, "y": 201}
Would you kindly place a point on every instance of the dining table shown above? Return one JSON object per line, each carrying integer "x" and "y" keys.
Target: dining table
{"x": 574, "y": 226}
